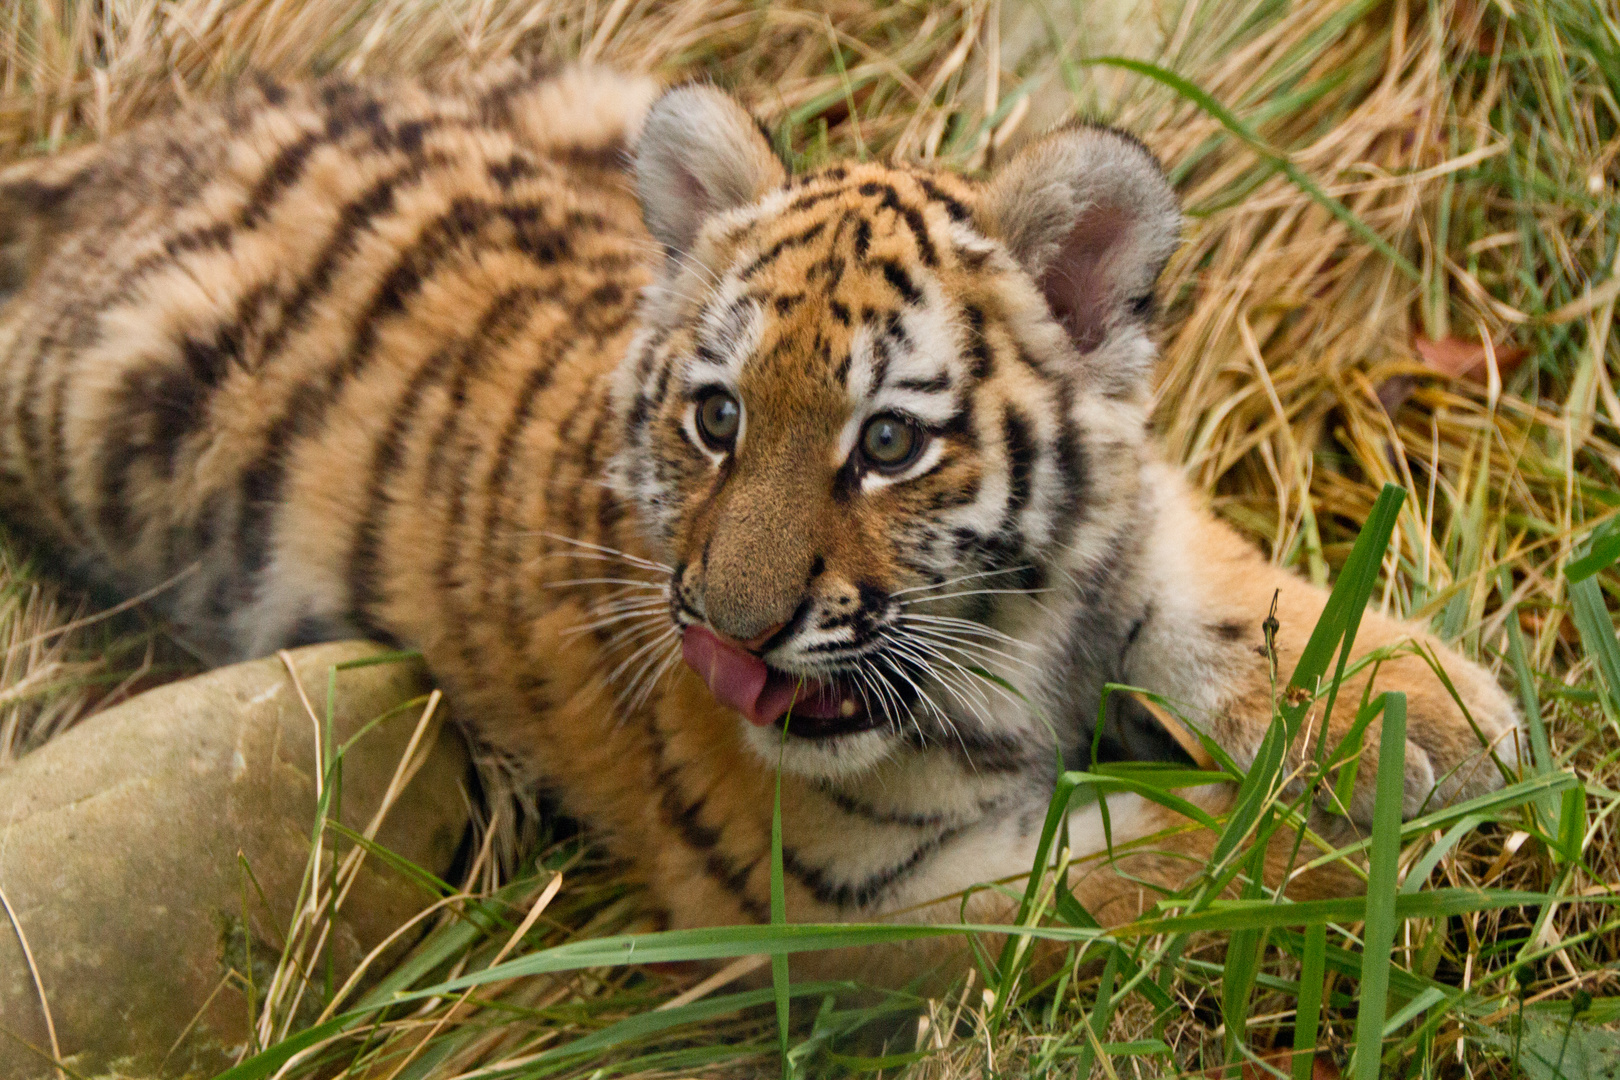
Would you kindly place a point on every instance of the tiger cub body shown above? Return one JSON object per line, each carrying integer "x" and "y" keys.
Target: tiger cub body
{"x": 445, "y": 370}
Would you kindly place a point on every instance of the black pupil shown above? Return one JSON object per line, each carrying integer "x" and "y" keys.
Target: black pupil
{"x": 888, "y": 441}
{"x": 719, "y": 416}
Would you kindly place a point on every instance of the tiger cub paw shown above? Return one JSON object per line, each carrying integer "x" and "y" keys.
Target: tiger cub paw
{"x": 1451, "y": 755}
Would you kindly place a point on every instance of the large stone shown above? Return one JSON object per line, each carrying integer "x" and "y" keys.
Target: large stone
{"x": 122, "y": 845}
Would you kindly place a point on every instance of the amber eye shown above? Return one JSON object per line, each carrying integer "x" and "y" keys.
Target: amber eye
{"x": 890, "y": 443}
{"x": 718, "y": 418}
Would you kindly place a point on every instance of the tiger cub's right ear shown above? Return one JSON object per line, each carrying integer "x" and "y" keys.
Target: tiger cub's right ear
{"x": 700, "y": 153}
{"x": 1088, "y": 213}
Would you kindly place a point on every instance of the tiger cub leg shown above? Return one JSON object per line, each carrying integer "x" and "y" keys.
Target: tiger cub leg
{"x": 1458, "y": 746}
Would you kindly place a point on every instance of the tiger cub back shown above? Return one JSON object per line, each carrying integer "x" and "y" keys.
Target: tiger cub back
{"x": 252, "y": 335}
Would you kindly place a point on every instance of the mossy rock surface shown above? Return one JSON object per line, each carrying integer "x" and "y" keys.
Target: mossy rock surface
{"x": 123, "y": 844}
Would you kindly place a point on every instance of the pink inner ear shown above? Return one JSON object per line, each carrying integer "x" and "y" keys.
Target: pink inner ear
{"x": 692, "y": 202}
{"x": 1079, "y": 281}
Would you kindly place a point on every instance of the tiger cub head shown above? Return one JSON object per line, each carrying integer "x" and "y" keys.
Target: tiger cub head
{"x": 879, "y": 419}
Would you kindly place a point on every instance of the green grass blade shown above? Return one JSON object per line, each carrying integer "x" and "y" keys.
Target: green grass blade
{"x": 1348, "y": 600}
{"x": 1383, "y": 865}
{"x": 1057, "y": 809}
{"x": 651, "y": 1023}
{"x": 1243, "y": 953}
{"x": 1159, "y": 790}
{"x": 1605, "y": 550}
{"x": 1308, "y": 1017}
{"x": 1418, "y": 876}
{"x": 1101, "y": 1012}
{"x": 1541, "y": 755}
{"x": 1597, "y": 635}
{"x": 1229, "y": 915}
{"x": 1572, "y": 824}
{"x": 1338, "y": 623}
{"x": 1413, "y": 1009}
{"x": 1506, "y": 798}
{"x": 779, "y": 963}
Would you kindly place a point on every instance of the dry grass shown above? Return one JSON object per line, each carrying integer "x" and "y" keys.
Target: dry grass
{"x": 1476, "y": 141}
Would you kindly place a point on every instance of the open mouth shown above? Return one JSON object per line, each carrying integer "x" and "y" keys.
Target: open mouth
{"x": 810, "y": 708}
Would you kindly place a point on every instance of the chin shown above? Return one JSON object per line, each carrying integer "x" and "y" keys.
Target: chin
{"x": 827, "y": 757}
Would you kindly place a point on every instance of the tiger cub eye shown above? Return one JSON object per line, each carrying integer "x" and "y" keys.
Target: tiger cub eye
{"x": 890, "y": 443}
{"x": 718, "y": 418}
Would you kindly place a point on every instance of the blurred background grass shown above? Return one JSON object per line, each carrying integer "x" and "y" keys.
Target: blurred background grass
{"x": 1399, "y": 266}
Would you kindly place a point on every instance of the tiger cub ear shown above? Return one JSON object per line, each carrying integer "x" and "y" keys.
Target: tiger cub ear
{"x": 1088, "y": 213}
{"x": 700, "y": 153}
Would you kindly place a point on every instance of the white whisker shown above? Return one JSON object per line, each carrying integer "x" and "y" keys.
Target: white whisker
{"x": 959, "y": 580}
{"x": 964, "y": 626}
{"x": 628, "y": 582}
{"x": 610, "y": 620}
{"x": 658, "y": 674}
{"x": 974, "y": 650}
{"x": 613, "y": 676}
{"x": 974, "y": 705}
{"x": 973, "y": 592}
{"x": 633, "y": 560}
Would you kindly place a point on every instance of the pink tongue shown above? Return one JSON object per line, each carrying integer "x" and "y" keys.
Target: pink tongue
{"x": 741, "y": 680}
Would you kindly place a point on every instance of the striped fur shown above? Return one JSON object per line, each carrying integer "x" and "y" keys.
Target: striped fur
{"x": 374, "y": 360}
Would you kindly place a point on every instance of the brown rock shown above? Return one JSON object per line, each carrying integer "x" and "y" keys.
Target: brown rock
{"x": 119, "y": 856}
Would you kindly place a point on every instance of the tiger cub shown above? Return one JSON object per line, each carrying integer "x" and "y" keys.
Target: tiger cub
{"x": 454, "y": 370}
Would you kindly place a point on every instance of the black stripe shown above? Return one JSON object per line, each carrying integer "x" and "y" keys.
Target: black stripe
{"x": 919, "y": 233}
{"x": 683, "y": 817}
{"x": 882, "y": 357}
{"x": 983, "y": 361}
{"x": 952, "y": 206}
{"x": 496, "y": 326}
{"x": 805, "y": 202}
{"x": 936, "y": 384}
{"x": 981, "y": 751}
{"x": 1074, "y": 472}
{"x": 183, "y": 408}
{"x": 458, "y": 230}
{"x": 283, "y": 173}
{"x": 860, "y": 894}
{"x": 890, "y": 200}
{"x": 506, "y": 445}
{"x": 494, "y": 107}
{"x": 900, "y": 281}
{"x": 797, "y": 240}
{"x": 519, "y": 166}
{"x": 856, "y": 808}
{"x": 157, "y": 406}
{"x": 1021, "y": 454}
{"x": 594, "y": 402}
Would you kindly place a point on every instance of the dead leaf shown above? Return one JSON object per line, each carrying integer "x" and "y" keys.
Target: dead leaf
{"x": 1455, "y": 358}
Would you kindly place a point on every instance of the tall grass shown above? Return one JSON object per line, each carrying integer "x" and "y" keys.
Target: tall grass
{"x": 1400, "y": 269}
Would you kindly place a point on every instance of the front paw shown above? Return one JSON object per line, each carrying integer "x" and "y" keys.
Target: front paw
{"x": 1451, "y": 755}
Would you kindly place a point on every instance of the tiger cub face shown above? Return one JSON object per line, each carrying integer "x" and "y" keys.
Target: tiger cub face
{"x": 879, "y": 419}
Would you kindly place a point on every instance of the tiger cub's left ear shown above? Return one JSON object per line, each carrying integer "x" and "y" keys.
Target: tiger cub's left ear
{"x": 700, "y": 153}
{"x": 1088, "y": 213}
